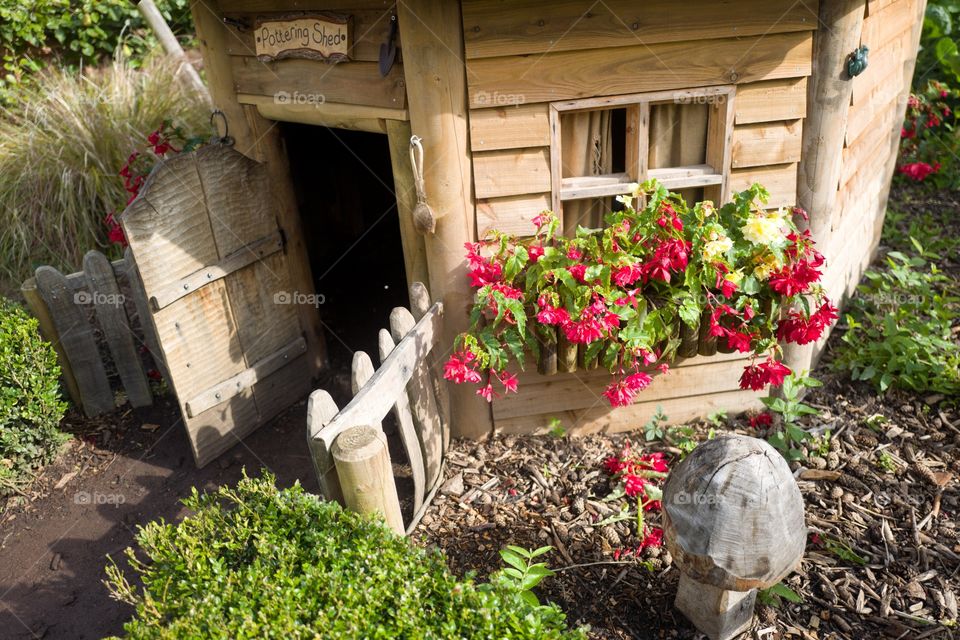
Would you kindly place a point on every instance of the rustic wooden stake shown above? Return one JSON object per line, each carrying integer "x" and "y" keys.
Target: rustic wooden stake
{"x": 828, "y": 108}
{"x": 433, "y": 55}
{"x": 365, "y": 474}
{"x": 49, "y": 332}
{"x": 171, "y": 45}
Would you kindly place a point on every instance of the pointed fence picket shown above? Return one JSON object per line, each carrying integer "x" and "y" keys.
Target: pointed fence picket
{"x": 70, "y": 308}
{"x": 348, "y": 447}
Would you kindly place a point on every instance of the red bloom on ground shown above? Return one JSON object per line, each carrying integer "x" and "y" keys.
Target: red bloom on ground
{"x": 653, "y": 462}
{"x": 653, "y": 539}
{"x": 458, "y": 368}
{"x": 614, "y": 465}
{"x": 633, "y": 485}
{"x": 761, "y": 420}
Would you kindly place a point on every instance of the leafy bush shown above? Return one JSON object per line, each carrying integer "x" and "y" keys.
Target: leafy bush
{"x": 939, "y": 57}
{"x": 30, "y": 405}
{"x": 899, "y": 327}
{"x": 61, "y": 151}
{"x": 74, "y": 32}
{"x": 255, "y": 562}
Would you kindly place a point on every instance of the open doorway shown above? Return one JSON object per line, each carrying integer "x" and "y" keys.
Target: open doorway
{"x": 344, "y": 185}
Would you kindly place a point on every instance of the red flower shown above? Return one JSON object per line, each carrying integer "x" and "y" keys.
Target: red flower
{"x": 614, "y": 465}
{"x": 621, "y": 393}
{"x": 115, "y": 231}
{"x": 487, "y": 392}
{"x": 458, "y": 369}
{"x": 653, "y": 539}
{"x": 761, "y": 420}
{"x": 740, "y": 341}
{"x": 535, "y": 252}
{"x": 653, "y": 462}
{"x": 153, "y": 374}
{"x": 633, "y": 485}
{"x": 918, "y": 171}
{"x": 626, "y": 275}
{"x": 757, "y": 376}
{"x": 482, "y": 271}
{"x": 552, "y": 315}
{"x": 574, "y": 254}
{"x": 578, "y": 271}
{"x": 584, "y": 331}
{"x": 799, "y": 329}
{"x": 508, "y": 380}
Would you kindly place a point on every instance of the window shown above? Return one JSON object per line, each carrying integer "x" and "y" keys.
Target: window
{"x": 601, "y": 145}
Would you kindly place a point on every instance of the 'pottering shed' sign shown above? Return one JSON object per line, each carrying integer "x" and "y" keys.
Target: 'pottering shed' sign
{"x": 320, "y": 36}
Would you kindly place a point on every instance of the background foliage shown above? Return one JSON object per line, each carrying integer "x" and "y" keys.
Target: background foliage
{"x": 73, "y": 33}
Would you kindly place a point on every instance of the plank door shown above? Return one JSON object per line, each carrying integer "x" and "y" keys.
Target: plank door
{"x": 206, "y": 242}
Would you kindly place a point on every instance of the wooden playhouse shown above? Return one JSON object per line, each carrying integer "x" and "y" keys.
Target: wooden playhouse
{"x": 525, "y": 105}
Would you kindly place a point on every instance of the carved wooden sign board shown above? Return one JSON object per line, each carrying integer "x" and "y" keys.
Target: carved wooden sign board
{"x": 315, "y": 35}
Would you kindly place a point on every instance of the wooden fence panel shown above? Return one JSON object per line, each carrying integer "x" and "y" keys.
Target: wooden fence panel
{"x": 405, "y": 383}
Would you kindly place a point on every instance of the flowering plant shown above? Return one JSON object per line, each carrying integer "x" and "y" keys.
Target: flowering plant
{"x": 927, "y": 137}
{"x": 641, "y": 475}
{"x": 628, "y": 294}
{"x": 167, "y": 139}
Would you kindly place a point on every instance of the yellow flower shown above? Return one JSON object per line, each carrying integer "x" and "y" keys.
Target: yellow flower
{"x": 717, "y": 246}
{"x": 767, "y": 265}
{"x": 763, "y": 229}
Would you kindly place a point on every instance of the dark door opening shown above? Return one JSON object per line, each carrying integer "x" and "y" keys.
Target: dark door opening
{"x": 344, "y": 185}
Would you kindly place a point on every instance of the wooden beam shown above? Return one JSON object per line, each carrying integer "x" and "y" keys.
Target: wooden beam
{"x": 414, "y": 245}
{"x": 259, "y": 139}
{"x": 828, "y": 107}
{"x": 432, "y": 35}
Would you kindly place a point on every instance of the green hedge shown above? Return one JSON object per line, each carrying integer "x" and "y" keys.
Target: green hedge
{"x": 255, "y": 562}
{"x": 30, "y": 404}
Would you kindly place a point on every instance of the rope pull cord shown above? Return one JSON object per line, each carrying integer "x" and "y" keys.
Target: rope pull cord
{"x": 424, "y": 220}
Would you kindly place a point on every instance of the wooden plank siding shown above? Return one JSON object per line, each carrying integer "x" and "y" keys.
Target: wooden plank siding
{"x": 494, "y": 28}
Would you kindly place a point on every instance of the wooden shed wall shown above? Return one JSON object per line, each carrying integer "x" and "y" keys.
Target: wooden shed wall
{"x": 878, "y": 102}
{"x": 524, "y": 54}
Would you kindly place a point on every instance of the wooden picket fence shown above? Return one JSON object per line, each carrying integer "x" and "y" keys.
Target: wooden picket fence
{"x": 348, "y": 446}
{"x": 70, "y": 307}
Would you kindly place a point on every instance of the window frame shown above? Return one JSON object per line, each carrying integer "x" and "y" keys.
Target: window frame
{"x": 713, "y": 175}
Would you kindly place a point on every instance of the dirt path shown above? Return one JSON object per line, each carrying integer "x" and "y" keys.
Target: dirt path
{"x": 53, "y": 550}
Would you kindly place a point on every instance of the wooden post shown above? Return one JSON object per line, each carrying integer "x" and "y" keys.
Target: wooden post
{"x": 828, "y": 106}
{"x": 171, "y": 45}
{"x": 258, "y": 138}
{"x": 363, "y": 467}
{"x": 432, "y": 36}
{"x": 414, "y": 246}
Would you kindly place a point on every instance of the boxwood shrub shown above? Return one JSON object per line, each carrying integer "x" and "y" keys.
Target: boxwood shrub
{"x": 257, "y": 562}
{"x": 30, "y": 403}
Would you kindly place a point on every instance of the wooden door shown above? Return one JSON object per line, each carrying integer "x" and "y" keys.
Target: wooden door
{"x": 206, "y": 242}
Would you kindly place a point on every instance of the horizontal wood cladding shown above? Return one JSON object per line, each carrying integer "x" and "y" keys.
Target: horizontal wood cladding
{"x": 602, "y": 418}
{"x": 780, "y": 180}
{"x": 301, "y": 81}
{"x": 766, "y": 143}
{"x": 510, "y": 127}
{"x": 511, "y": 172}
{"x": 494, "y": 28}
{"x": 600, "y": 72}
{"x": 371, "y": 28}
{"x": 783, "y": 99}
{"x": 552, "y": 394}
{"x": 512, "y": 214}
